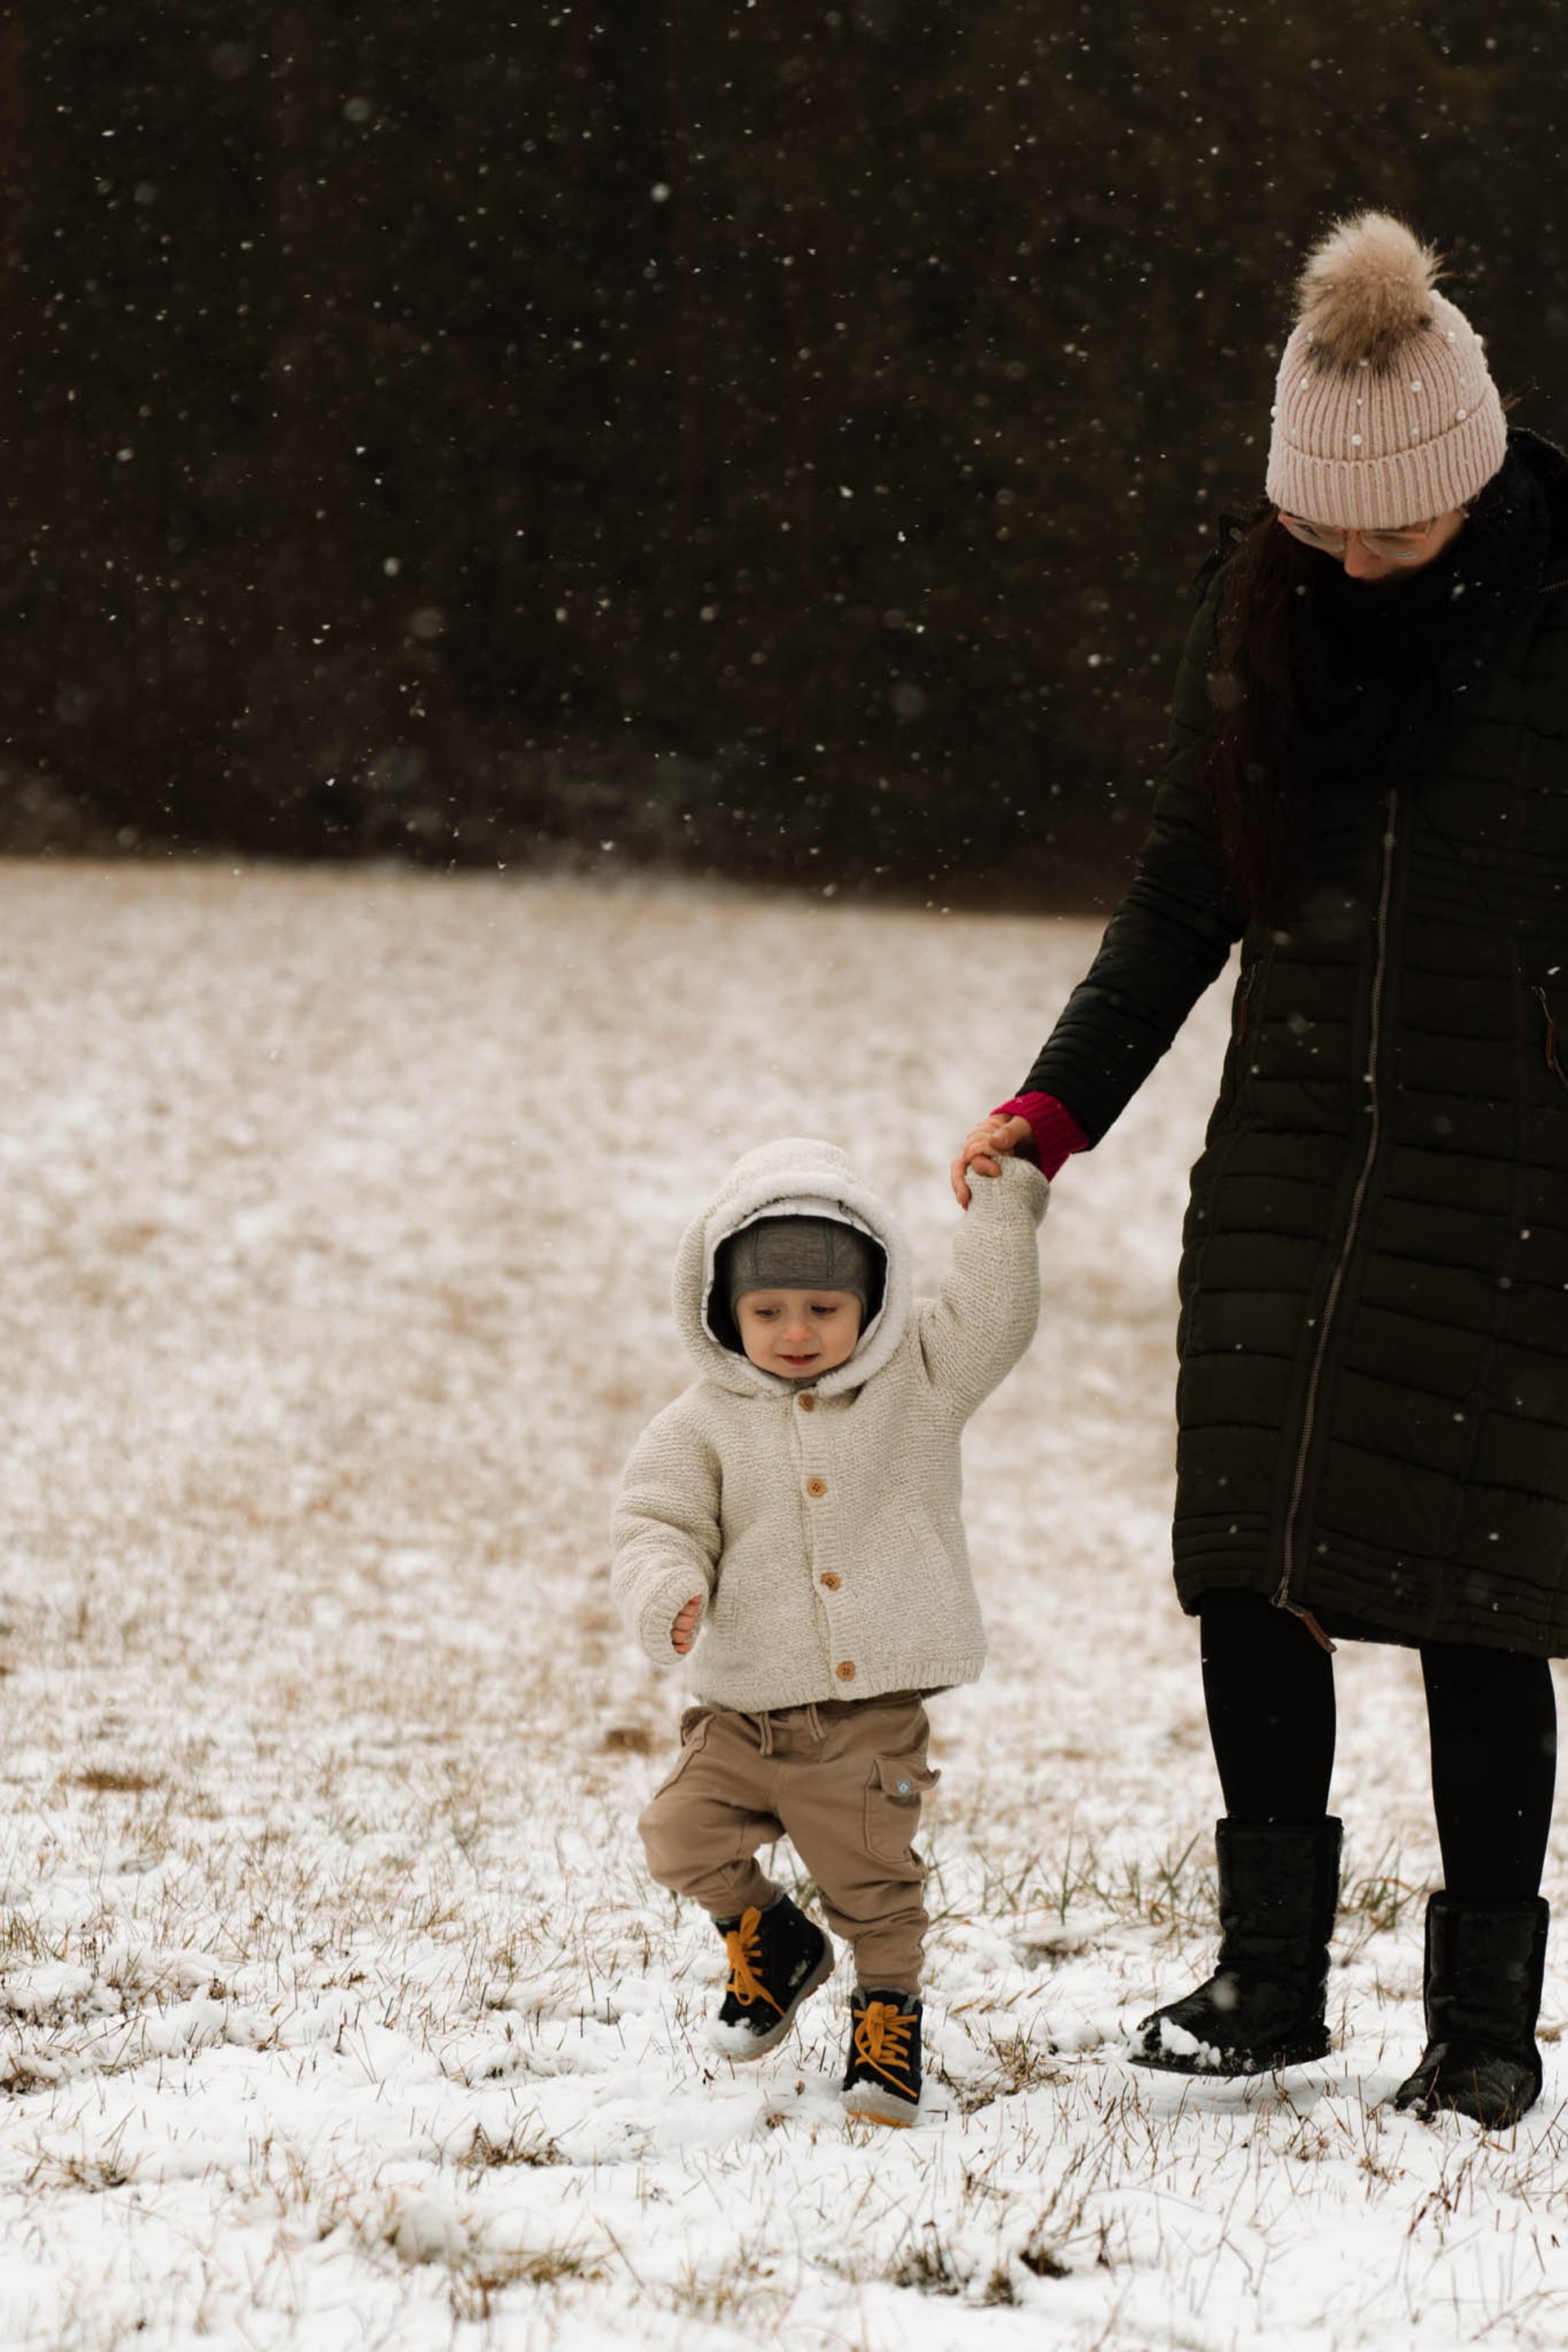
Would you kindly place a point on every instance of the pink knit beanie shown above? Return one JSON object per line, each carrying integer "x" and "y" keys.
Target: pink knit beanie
{"x": 1385, "y": 412}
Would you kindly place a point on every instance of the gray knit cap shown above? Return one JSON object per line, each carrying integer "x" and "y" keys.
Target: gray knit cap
{"x": 799, "y": 1254}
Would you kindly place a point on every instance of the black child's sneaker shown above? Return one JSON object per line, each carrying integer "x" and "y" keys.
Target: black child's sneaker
{"x": 883, "y": 2079}
{"x": 777, "y": 1957}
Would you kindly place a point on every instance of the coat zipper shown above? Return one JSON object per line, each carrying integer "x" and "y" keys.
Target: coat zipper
{"x": 1242, "y": 1067}
{"x": 1285, "y": 1597}
{"x": 1553, "y": 1047}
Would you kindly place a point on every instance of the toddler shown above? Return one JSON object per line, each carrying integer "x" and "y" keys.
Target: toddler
{"x": 792, "y": 1523}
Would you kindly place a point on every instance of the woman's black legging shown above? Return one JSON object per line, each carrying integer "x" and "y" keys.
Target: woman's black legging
{"x": 1492, "y": 1716}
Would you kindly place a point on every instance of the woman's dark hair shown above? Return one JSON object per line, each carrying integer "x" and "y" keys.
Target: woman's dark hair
{"x": 1254, "y": 693}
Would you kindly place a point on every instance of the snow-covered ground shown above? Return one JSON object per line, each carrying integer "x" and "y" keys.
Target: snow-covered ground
{"x": 340, "y": 1211}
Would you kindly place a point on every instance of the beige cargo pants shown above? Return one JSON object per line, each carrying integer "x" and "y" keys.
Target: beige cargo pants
{"x": 843, "y": 1781}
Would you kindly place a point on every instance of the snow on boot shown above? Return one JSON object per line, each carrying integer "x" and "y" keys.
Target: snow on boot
{"x": 882, "y": 2081}
{"x": 1484, "y": 1968}
{"x": 1264, "y": 2005}
{"x": 777, "y": 1957}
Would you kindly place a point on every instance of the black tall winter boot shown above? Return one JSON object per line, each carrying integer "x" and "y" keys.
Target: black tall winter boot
{"x": 1484, "y": 1966}
{"x": 1264, "y": 2006}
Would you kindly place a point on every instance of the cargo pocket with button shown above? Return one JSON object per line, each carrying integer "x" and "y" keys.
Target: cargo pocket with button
{"x": 893, "y": 1808}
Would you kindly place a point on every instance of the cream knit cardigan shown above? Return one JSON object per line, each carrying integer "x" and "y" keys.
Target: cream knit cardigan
{"x": 820, "y": 1523}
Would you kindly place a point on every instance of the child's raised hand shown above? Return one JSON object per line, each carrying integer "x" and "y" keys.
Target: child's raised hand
{"x": 683, "y": 1631}
{"x": 982, "y": 1148}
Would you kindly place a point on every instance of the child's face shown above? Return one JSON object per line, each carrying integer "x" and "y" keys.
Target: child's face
{"x": 798, "y": 1333}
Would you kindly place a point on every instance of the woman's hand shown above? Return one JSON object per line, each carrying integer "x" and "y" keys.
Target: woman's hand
{"x": 684, "y": 1631}
{"x": 983, "y": 1147}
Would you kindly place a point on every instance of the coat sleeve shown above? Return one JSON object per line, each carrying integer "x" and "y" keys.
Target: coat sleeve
{"x": 664, "y": 1531}
{"x": 974, "y": 1332}
{"x": 1172, "y": 931}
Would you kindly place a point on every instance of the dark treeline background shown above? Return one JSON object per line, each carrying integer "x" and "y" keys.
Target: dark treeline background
{"x": 771, "y": 437}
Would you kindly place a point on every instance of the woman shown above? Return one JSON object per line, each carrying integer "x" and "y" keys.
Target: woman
{"x": 1367, "y": 783}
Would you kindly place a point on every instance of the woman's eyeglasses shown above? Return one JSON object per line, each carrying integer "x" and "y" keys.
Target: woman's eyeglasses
{"x": 1407, "y": 546}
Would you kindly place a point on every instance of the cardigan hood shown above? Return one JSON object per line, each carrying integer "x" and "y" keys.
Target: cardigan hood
{"x": 795, "y": 1177}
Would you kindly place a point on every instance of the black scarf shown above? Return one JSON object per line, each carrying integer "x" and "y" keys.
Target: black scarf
{"x": 1422, "y": 632}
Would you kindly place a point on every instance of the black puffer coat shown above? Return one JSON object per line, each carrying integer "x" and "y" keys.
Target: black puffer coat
{"x": 1373, "y": 1389}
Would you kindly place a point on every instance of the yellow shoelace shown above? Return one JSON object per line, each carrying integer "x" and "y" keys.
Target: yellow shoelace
{"x": 744, "y": 1948}
{"x": 883, "y": 2034}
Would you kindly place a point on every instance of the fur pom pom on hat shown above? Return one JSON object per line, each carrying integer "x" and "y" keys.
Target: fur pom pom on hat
{"x": 1365, "y": 290}
{"x": 1385, "y": 413}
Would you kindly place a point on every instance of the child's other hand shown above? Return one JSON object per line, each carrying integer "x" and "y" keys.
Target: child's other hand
{"x": 683, "y": 1631}
{"x": 982, "y": 1148}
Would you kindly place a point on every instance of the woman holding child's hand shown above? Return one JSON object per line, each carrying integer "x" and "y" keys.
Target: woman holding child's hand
{"x": 683, "y": 1633}
{"x": 1366, "y": 786}
{"x": 983, "y": 1147}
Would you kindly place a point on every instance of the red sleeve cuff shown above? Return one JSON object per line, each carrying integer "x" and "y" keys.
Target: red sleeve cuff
{"x": 1057, "y": 1133}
